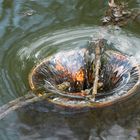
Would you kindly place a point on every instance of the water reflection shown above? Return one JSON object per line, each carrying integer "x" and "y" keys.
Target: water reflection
{"x": 43, "y": 120}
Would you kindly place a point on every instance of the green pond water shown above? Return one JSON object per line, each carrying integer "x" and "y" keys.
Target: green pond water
{"x": 31, "y": 30}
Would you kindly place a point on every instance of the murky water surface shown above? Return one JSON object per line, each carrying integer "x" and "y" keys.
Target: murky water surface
{"x": 31, "y": 30}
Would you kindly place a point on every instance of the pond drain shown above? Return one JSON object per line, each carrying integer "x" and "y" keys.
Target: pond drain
{"x": 70, "y": 73}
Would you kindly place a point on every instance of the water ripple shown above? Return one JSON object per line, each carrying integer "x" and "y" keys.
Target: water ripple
{"x": 23, "y": 54}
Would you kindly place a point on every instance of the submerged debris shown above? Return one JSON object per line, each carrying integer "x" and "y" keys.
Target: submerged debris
{"x": 29, "y": 12}
{"x": 118, "y": 14}
{"x": 96, "y": 67}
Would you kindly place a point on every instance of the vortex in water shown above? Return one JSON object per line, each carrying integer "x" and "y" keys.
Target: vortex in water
{"x": 26, "y": 52}
{"x": 68, "y": 74}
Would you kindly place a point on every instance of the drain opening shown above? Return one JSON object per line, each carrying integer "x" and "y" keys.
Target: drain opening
{"x": 72, "y": 75}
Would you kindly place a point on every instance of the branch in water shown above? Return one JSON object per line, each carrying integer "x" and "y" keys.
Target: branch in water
{"x": 96, "y": 66}
{"x": 27, "y": 99}
{"x": 20, "y": 102}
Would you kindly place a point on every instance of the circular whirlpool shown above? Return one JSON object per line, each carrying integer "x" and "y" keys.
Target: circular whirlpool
{"x": 67, "y": 77}
{"x": 37, "y": 52}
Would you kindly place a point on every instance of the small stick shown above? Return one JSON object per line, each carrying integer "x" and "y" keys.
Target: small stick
{"x": 20, "y": 102}
{"x": 98, "y": 46}
{"x": 28, "y": 99}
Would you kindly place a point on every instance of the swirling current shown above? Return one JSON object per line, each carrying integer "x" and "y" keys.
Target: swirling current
{"x": 33, "y": 30}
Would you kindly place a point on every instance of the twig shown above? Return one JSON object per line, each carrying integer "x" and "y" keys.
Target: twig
{"x": 27, "y": 99}
{"x": 98, "y": 46}
{"x": 20, "y": 102}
